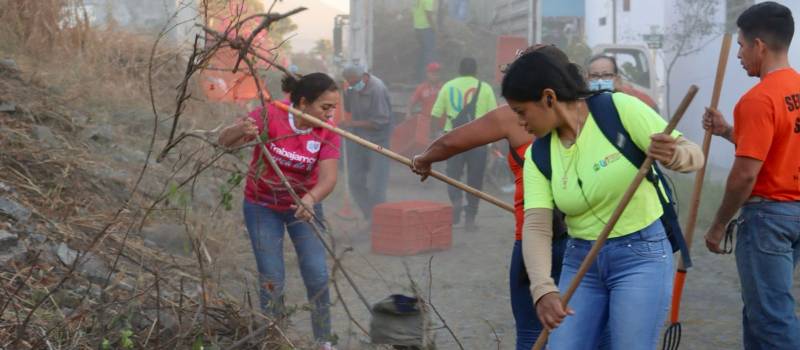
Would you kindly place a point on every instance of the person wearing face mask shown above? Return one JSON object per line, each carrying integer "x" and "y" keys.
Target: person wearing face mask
{"x": 308, "y": 158}
{"x": 603, "y": 74}
{"x": 367, "y": 99}
{"x": 625, "y": 295}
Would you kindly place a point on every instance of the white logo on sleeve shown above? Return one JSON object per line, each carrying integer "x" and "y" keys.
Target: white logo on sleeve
{"x": 313, "y": 146}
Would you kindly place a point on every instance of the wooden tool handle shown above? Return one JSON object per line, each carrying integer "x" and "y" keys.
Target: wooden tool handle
{"x": 700, "y": 176}
{"x": 393, "y": 155}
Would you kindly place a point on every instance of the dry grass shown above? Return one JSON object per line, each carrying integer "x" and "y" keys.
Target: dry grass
{"x": 69, "y": 69}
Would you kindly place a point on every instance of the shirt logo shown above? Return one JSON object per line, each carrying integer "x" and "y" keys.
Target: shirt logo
{"x": 313, "y": 146}
{"x": 797, "y": 126}
{"x": 605, "y": 162}
{"x": 792, "y": 102}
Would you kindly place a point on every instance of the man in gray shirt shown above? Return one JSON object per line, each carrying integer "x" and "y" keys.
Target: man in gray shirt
{"x": 367, "y": 99}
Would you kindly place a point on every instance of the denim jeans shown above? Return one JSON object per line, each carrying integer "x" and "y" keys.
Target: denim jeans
{"x": 427, "y": 51}
{"x": 266, "y": 228}
{"x": 368, "y": 173}
{"x": 767, "y": 251}
{"x": 625, "y": 293}
{"x": 528, "y": 325}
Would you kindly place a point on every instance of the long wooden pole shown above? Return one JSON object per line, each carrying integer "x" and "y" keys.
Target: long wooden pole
{"x": 626, "y": 198}
{"x": 680, "y": 274}
{"x": 698, "y": 180}
{"x": 392, "y": 155}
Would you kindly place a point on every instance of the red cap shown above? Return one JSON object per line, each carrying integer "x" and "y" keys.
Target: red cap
{"x": 434, "y": 67}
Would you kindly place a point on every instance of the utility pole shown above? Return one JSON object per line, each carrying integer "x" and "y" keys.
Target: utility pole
{"x": 614, "y": 21}
{"x": 534, "y": 21}
{"x": 361, "y": 34}
{"x": 538, "y": 35}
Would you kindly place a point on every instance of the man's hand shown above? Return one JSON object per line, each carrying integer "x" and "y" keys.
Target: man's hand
{"x": 248, "y": 128}
{"x": 714, "y": 238}
{"x": 300, "y": 211}
{"x": 550, "y": 311}
{"x": 715, "y": 122}
{"x": 420, "y": 167}
{"x": 662, "y": 148}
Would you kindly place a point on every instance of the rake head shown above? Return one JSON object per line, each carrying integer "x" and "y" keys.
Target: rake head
{"x": 672, "y": 337}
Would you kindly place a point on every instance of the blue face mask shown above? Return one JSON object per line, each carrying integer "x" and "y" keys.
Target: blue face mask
{"x": 601, "y": 84}
{"x": 358, "y": 86}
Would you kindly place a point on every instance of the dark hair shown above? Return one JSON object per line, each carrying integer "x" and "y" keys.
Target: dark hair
{"x": 769, "y": 21}
{"x": 604, "y": 57}
{"x": 467, "y": 66}
{"x": 309, "y": 86}
{"x": 543, "y": 69}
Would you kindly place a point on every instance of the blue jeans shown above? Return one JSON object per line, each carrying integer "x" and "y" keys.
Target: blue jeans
{"x": 528, "y": 325}
{"x": 368, "y": 173}
{"x": 625, "y": 293}
{"x": 767, "y": 251}
{"x": 266, "y": 228}
{"x": 427, "y": 51}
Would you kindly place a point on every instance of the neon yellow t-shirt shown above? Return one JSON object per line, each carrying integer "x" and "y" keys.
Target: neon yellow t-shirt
{"x": 604, "y": 173}
{"x": 457, "y": 93}
{"x": 420, "y": 16}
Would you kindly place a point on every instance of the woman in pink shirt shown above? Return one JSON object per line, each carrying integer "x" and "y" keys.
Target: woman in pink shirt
{"x": 308, "y": 157}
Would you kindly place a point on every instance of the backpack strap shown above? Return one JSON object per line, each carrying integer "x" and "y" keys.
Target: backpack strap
{"x": 608, "y": 120}
{"x": 540, "y": 152}
{"x": 515, "y": 156}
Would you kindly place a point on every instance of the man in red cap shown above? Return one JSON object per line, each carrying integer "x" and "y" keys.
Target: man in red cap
{"x": 425, "y": 94}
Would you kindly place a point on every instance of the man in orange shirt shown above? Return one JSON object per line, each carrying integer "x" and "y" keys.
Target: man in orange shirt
{"x": 764, "y": 180}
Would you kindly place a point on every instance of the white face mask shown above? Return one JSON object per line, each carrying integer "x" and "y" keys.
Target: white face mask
{"x": 601, "y": 84}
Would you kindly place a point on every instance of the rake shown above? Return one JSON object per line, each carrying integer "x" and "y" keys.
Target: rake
{"x": 672, "y": 336}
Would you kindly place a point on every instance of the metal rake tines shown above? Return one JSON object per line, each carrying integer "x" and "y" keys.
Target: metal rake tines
{"x": 672, "y": 337}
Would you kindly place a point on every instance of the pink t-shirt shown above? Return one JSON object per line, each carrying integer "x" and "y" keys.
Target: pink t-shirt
{"x": 296, "y": 152}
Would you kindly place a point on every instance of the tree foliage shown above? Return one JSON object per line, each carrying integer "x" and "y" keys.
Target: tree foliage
{"x": 694, "y": 29}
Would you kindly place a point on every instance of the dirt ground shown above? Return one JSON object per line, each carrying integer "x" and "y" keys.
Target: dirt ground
{"x": 470, "y": 280}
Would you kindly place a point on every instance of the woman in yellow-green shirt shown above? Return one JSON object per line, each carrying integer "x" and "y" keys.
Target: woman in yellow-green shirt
{"x": 627, "y": 290}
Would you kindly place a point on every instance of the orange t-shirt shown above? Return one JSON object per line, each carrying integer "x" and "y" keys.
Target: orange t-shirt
{"x": 767, "y": 128}
{"x": 519, "y": 194}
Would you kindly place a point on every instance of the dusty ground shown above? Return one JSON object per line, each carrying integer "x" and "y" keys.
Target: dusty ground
{"x": 470, "y": 280}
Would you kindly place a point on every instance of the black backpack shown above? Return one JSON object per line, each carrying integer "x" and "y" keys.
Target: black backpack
{"x": 607, "y": 118}
{"x": 467, "y": 114}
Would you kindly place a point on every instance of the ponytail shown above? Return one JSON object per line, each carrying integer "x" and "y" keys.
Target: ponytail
{"x": 310, "y": 87}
